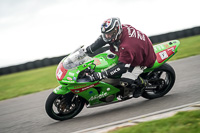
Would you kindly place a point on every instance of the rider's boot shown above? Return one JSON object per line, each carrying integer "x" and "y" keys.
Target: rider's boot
{"x": 139, "y": 86}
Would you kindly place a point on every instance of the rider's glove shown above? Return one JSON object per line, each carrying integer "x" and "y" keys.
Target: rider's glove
{"x": 98, "y": 76}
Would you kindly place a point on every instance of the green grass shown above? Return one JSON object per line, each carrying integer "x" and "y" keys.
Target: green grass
{"x": 182, "y": 122}
{"x": 189, "y": 46}
{"x": 27, "y": 82}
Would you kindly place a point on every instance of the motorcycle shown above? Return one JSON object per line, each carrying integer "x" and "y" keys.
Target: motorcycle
{"x": 77, "y": 89}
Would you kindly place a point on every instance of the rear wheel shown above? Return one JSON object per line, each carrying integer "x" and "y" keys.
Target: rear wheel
{"x": 162, "y": 78}
{"x": 63, "y": 107}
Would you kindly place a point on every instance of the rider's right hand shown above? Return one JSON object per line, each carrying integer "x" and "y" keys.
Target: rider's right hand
{"x": 95, "y": 76}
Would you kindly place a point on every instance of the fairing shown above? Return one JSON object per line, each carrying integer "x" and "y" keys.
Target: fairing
{"x": 164, "y": 51}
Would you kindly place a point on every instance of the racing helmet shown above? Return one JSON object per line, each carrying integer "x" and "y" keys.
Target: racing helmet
{"x": 111, "y": 29}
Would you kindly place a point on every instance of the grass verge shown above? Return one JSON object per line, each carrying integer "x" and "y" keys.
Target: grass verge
{"x": 182, "y": 122}
{"x": 27, "y": 82}
{"x": 189, "y": 46}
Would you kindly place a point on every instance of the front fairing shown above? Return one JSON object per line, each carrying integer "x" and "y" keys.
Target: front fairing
{"x": 71, "y": 68}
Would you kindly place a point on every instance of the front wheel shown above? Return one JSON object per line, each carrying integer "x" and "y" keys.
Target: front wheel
{"x": 163, "y": 78}
{"x": 63, "y": 107}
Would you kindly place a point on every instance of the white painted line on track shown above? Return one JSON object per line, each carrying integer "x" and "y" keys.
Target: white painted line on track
{"x": 135, "y": 118}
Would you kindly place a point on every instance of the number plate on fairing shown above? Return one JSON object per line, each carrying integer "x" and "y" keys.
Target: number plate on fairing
{"x": 163, "y": 55}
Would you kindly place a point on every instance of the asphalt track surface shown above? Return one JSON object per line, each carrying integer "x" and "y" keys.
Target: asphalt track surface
{"x": 26, "y": 114}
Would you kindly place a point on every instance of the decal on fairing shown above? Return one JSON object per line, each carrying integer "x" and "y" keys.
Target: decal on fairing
{"x": 69, "y": 78}
{"x": 163, "y": 55}
{"x": 97, "y": 61}
{"x": 84, "y": 88}
{"x": 166, "y": 45}
{"x": 82, "y": 85}
{"x": 60, "y": 72}
{"x": 67, "y": 81}
{"x": 74, "y": 78}
{"x": 71, "y": 74}
{"x": 102, "y": 95}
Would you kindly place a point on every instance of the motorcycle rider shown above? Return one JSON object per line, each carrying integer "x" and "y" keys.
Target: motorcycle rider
{"x": 134, "y": 49}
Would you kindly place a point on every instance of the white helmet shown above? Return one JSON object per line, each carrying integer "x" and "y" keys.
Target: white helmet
{"x": 111, "y": 29}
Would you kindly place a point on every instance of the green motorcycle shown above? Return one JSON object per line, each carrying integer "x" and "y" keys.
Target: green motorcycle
{"x": 76, "y": 88}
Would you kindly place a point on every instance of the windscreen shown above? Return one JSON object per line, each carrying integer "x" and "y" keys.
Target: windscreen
{"x": 75, "y": 59}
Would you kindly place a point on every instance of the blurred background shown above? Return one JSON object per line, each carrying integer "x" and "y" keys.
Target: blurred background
{"x": 37, "y": 29}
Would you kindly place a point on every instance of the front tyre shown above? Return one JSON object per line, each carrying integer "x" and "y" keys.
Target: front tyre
{"x": 63, "y": 107}
{"x": 162, "y": 77}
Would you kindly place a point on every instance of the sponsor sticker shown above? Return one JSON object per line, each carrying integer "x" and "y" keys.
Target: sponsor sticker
{"x": 107, "y": 23}
{"x": 71, "y": 74}
{"x": 166, "y": 45}
{"x": 102, "y": 95}
{"x": 78, "y": 86}
{"x": 103, "y": 29}
{"x": 97, "y": 61}
{"x": 66, "y": 81}
{"x": 171, "y": 49}
{"x": 59, "y": 74}
{"x": 108, "y": 67}
{"x": 74, "y": 78}
{"x": 165, "y": 54}
{"x": 155, "y": 49}
{"x": 58, "y": 88}
{"x": 84, "y": 88}
{"x": 69, "y": 78}
{"x": 78, "y": 72}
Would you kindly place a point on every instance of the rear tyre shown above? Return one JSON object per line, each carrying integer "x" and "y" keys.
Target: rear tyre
{"x": 164, "y": 77}
{"x": 63, "y": 107}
